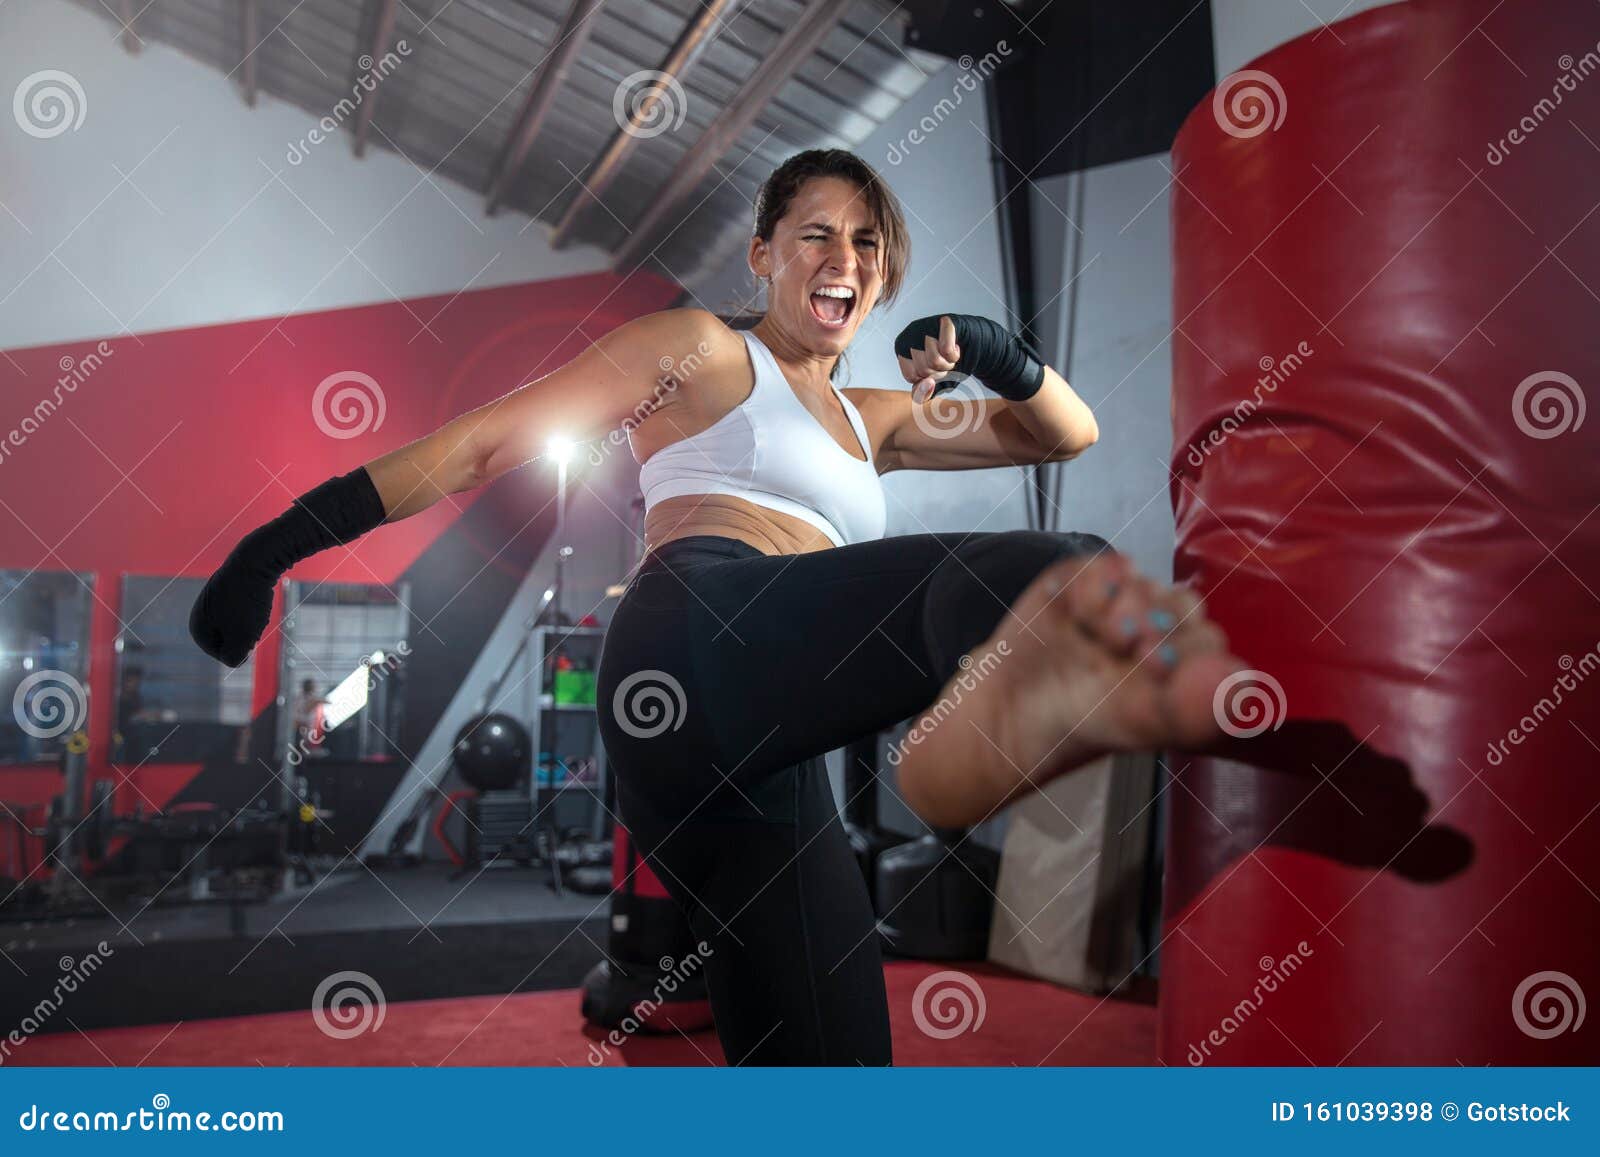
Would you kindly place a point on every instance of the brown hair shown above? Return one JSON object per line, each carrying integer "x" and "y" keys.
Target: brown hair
{"x": 780, "y": 187}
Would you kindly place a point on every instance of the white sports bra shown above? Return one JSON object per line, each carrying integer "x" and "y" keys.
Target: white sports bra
{"x": 771, "y": 451}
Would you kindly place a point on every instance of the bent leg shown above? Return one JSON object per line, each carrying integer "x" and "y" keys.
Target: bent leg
{"x": 721, "y": 686}
{"x": 797, "y": 655}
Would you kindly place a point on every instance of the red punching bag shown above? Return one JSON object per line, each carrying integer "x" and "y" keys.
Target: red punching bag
{"x": 1386, "y": 482}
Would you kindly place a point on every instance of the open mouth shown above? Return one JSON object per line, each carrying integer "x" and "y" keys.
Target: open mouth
{"x": 833, "y": 305}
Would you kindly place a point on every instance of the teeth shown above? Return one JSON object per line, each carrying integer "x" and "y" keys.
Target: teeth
{"x": 836, "y": 291}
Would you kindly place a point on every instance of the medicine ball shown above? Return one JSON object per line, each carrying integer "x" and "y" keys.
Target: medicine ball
{"x": 492, "y": 752}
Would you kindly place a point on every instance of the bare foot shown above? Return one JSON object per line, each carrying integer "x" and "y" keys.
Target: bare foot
{"x": 1092, "y": 658}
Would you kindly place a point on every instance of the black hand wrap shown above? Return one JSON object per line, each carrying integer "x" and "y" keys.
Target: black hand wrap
{"x": 235, "y": 604}
{"x": 999, "y": 359}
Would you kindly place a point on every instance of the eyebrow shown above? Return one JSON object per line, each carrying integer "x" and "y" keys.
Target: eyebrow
{"x": 826, "y": 228}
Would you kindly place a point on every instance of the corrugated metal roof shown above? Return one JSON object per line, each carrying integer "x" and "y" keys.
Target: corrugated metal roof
{"x": 455, "y": 97}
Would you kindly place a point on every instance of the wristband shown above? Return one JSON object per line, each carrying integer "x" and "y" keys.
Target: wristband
{"x": 235, "y": 604}
{"x": 1001, "y": 360}
{"x": 340, "y": 510}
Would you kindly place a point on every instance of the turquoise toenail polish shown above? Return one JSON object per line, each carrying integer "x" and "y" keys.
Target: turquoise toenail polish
{"x": 1162, "y": 620}
{"x": 1130, "y": 625}
{"x": 1169, "y": 654}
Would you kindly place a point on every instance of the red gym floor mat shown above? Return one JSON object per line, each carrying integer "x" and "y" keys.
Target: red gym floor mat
{"x": 1025, "y": 1022}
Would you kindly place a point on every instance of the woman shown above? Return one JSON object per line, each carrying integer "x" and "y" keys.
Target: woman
{"x": 309, "y": 711}
{"x": 769, "y": 622}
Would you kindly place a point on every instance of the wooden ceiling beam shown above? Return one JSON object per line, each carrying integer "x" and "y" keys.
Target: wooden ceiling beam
{"x": 382, "y": 34}
{"x": 552, "y": 73}
{"x": 661, "y": 99}
{"x": 793, "y": 49}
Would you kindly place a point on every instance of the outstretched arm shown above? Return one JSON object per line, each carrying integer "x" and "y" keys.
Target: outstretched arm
{"x": 610, "y": 382}
{"x": 595, "y": 392}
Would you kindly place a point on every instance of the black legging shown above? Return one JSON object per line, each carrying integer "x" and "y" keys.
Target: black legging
{"x": 726, "y": 676}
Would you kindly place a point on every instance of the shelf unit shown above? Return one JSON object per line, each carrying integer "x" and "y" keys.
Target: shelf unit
{"x": 566, "y": 738}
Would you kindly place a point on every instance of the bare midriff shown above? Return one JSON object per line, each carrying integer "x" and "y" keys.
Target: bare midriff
{"x": 769, "y": 531}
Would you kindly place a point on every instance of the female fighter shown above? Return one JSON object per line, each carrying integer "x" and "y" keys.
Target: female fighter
{"x": 770, "y": 621}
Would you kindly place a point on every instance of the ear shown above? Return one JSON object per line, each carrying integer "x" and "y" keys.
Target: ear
{"x": 759, "y": 258}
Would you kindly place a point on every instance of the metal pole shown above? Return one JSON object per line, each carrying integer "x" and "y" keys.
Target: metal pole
{"x": 562, "y": 550}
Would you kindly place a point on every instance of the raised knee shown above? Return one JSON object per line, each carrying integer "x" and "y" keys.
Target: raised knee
{"x": 1076, "y": 542}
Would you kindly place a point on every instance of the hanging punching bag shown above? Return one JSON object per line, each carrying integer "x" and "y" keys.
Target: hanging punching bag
{"x": 1386, "y": 481}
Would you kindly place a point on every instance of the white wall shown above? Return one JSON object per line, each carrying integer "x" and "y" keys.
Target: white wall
{"x": 1243, "y": 29}
{"x": 174, "y": 204}
{"x": 1120, "y": 311}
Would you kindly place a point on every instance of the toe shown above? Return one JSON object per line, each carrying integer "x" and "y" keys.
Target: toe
{"x": 1189, "y": 694}
{"x": 1132, "y": 623}
{"x": 1080, "y": 587}
{"x": 1173, "y": 628}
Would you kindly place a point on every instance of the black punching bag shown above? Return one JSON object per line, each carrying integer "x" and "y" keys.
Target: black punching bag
{"x": 653, "y": 978}
{"x": 867, "y": 840}
{"x": 935, "y": 897}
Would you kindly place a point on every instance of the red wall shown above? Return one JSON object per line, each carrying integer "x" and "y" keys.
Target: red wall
{"x": 178, "y": 443}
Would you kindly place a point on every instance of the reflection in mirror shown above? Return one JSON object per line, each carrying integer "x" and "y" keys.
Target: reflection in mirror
{"x": 175, "y": 704}
{"x": 344, "y": 652}
{"x": 44, "y": 662}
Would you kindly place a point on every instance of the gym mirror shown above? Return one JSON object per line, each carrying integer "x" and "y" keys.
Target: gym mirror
{"x": 44, "y": 662}
{"x": 343, "y": 670}
{"x": 174, "y": 703}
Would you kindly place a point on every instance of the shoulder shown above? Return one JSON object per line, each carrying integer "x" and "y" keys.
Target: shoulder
{"x": 680, "y": 333}
{"x": 678, "y": 345}
{"x": 696, "y": 363}
{"x": 696, "y": 343}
